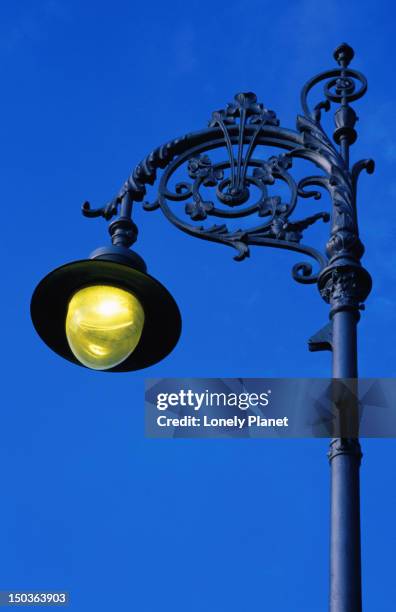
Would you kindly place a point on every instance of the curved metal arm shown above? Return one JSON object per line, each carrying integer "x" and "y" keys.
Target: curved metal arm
{"x": 237, "y": 187}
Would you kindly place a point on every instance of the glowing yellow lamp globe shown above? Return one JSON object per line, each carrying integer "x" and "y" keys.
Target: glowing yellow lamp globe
{"x": 103, "y": 325}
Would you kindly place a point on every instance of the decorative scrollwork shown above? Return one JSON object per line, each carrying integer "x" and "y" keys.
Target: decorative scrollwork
{"x": 245, "y": 108}
{"x": 341, "y": 183}
{"x": 144, "y": 173}
{"x": 107, "y": 212}
{"x": 277, "y": 230}
{"x": 342, "y": 85}
{"x": 240, "y": 185}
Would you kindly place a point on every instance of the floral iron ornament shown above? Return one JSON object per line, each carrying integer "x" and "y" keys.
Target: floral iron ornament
{"x": 242, "y": 127}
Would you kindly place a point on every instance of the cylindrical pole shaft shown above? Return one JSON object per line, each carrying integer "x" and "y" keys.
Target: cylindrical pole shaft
{"x": 345, "y": 284}
{"x": 345, "y": 456}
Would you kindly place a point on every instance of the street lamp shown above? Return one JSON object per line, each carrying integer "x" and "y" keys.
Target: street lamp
{"x": 107, "y": 313}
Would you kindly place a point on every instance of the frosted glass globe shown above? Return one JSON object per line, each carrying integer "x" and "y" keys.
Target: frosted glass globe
{"x": 103, "y": 325}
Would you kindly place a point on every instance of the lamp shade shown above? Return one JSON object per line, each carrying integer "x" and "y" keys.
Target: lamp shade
{"x": 59, "y": 294}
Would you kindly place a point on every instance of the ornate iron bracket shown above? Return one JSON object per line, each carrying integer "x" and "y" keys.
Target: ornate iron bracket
{"x": 240, "y": 185}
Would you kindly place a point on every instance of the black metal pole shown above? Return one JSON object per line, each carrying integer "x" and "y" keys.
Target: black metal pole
{"x": 345, "y": 457}
{"x": 345, "y": 284}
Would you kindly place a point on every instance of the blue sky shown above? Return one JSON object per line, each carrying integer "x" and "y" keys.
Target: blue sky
{"x": 89, "y": 505}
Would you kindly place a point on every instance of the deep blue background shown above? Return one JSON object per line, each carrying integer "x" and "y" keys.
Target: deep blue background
{"x": 88, "y": 504}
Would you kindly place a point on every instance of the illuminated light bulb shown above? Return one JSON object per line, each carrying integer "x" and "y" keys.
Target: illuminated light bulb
{"x": 103, "y": 325}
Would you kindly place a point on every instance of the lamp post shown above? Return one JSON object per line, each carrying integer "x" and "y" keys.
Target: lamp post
{"x": 107, "y": 313}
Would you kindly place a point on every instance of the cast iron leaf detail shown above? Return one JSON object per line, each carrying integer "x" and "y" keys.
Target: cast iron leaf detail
{"x": 202, "y": 168}
{"x": 341, "y": 185}
{"x": 198, "y": 209}
{"x": 244, "y": 185}
{"x": 107, "y": 212}
{"x": 245, "y": 106}
{"x": 270, "y": 205}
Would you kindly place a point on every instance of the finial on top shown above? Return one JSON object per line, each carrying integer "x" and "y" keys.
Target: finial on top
{"x": 343, "y": 54}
